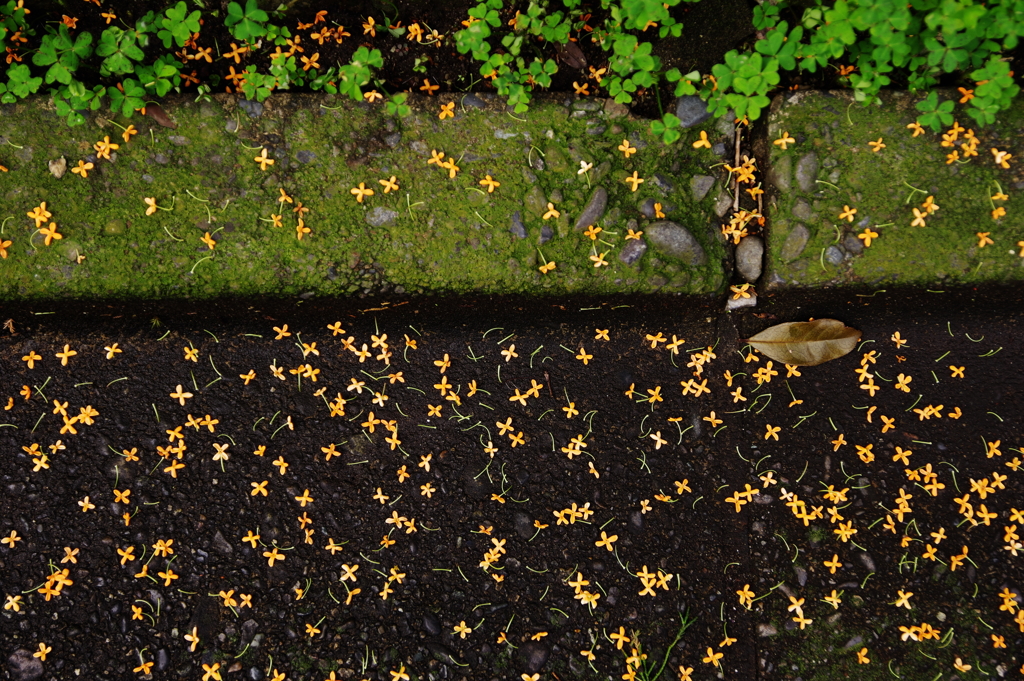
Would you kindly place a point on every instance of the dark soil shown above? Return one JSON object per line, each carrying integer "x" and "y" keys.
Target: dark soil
{"x": 710, "y": 550}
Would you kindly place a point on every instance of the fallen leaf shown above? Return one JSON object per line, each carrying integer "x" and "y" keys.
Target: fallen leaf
{"x": 58, "y": 167}
{"x": 156, "y": 112}
{"x": 806, "y": 343}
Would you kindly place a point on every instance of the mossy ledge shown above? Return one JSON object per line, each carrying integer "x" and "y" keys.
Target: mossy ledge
{"x": 435, "y": 234}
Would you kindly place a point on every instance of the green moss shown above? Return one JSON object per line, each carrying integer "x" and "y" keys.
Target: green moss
{"x": 447, "y": 236}
{"x": 883, "y": 187}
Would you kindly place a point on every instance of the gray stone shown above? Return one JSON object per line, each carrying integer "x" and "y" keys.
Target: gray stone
{"x": 114, "y": 227}
{"x": 518, "y": 229}
{"x": 868, "y": 561}
{"x": 646, "y": 207}
{"x": 178, "y": 140}
{"x": 70, "y": 250}
{"x": 740, "y": 303}
{"x": 221, "y": 545}
{"x": 718, "y": 149}
{"x": 555, "y": 159}
{"x": 725, "y": 125}
{"x": 431, "y": 624}
{"x": 161, "y": 159}
{"x": 231, "y": 125}
{"x": 249, "y": 629}
{"x": 147, "y": 178}
{"x": 795, "y": 243}
{"x": 58, "y": 167}
{"x": 304, "y": 156}
{"x": 780, "y": 173}
{"x": 585, "y": 105}
{"x": 381, "y": 216}
{"x": 254, "y": 109}
{"x": 854, "y": 642}
{"x": 700, "y": 185}
{"x": 723, "y": 202}
{"x": 524, "y": 525}
{"x": 533, "y": 655}
{"x": 504, "y": 134}
{"x": 472, "y": 100}
{"x": 546, "y": 233}
{"x": 853, "y": 245}
{"x": 807, "y": 172}
{"x": 632, "y": 251}
{"x": 600, "y": 172}
{"x": 23, "y": 667}
{"x": 691, "y": 110}
{"x": 662, "y": 183}
{"x": 749, "y": 258}
{"x": 163, "y": 660}
{"x": 613, "y": 109}
{"x": 835, "y": 255}
{"x": 674, "y": 240}
{"x": 594, "y": 209}
{"x": 802, "y": 211}
{"x": 393, "y": 139}
{"x": 766, "y": 630}
{"x": 535, "y": 202}
{"x": 595, "y": 128}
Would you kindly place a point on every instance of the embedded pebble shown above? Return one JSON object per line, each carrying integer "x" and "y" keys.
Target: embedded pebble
{"x": 674, "y": 240}
{"x": 700, "y": 185}
{"x": 594, "y": 209}
{"x": 807, "y": 172}
{"x": 795, "y": 242}
{"x": 749, "y": 258}
{"x": 518, "y": 229}
{"x": 633, "y": 250}
{"x": 691, "y": 110}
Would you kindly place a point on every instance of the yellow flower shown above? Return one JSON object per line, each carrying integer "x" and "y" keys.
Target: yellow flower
{"x": 919, "y": 218}
{"x": 39, "y": 214}
{"x": 263, "y": 160}
{"x": 784, "y": 140}
{"x": 447, "y": 111}
{"x": 626, "y": 149}
{"x": 83, "y": 169}
{"x": 876, "y": 146}
{"x": 372, "y": 95}
{"x": 151, "y": 202}
{"x": 702, "y": 142}
{"x": 547, "y": 267}
{"x": 634, "y": 181}
{"x": 104, "y": 148}
{"x": 360, "y": 191}
{"x": 866, "y": 236}
{"x": 916, "y": 127}
{"x": 847, "y": 213}
{"x": 998, "y": 213}
{"x": 983, "y": 239}
{"x": 551, "y": 212}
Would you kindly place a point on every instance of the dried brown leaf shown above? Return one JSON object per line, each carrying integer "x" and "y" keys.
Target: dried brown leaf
{"x": 806, "y": 343}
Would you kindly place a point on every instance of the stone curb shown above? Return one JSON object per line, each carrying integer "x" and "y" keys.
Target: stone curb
{"x": 434, "y": 235}
{"x": 831, "y": 166}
